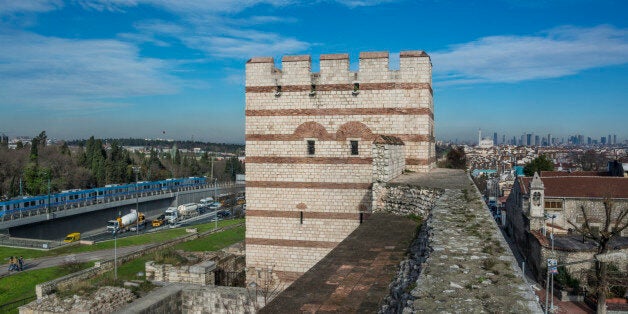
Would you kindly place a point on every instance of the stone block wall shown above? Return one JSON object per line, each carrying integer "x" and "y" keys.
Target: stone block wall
{"x": 180, "y": 298}
{"x": 302, "y": 201}
{"x": 403, "y": 200}
{"x": 388, "y": 158}
{"x": 200, "y": 274}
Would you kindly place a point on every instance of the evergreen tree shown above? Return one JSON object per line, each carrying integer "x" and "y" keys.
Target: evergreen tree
{"x": 538, "y": 164}
{"x": 34, "y": 153}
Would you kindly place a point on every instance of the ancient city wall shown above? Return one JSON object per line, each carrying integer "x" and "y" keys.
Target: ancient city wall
{"x": 309, "y": 150}
{"x": 180, "y": 298}
{"x": 200, "y": 274}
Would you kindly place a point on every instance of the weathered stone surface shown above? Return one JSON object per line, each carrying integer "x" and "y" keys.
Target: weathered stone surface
{"x": 463, "y": 262}
{"x": 104, "y": 300}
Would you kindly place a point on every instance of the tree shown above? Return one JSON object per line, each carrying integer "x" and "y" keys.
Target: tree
{"x": 456, "y": 158}
{"x": 614, "y": 222}
{"x": 538, "y": 164}
{"x": 34, "y": 152}
{"x": 591, "y": 160}
{"x": 42, "y": 138}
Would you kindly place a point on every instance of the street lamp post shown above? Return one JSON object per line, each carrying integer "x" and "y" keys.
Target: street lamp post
{"x": 115, "y": 254}
{"x": 216, "y": 210}
{"x": 136, "y": 169}
{"x": 48, "y": 207}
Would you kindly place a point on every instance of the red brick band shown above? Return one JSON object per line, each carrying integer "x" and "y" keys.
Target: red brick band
{"x": 308, "y": 185}
{"x": 419, "y": 161}
{"x": 290, "y": 243}
{"x": 306, "y": 214}
{"x": 309, "y": 160}
{"x": 339, "y": 112}
{"x": 332, "y": 137}
{"x": 339, "y": 87}
{"x": 287, "y": 276}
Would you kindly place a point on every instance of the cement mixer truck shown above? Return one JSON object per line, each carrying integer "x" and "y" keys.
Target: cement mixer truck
{"x": 174, "y": 214}
{"x": 122, "y": 224}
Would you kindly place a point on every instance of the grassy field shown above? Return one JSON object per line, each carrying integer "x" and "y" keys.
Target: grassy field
{"x": 128, "y": 271}
{"x": 213, "y": 242}
{"x": 152, "y": 237}
{"x": 22, "y": 285}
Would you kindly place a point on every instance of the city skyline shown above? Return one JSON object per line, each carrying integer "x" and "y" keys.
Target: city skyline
{"x": 175, "y": 70}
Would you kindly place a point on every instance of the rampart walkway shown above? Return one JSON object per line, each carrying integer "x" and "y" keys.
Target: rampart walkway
{"x": 465, "y": 264}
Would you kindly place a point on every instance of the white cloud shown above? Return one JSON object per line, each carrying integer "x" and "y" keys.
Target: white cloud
{"x": 364, "y": 3}
{"x": 66, "y": 74}
{"x": 22, "y": 6}
{"x": 555, "y": 53}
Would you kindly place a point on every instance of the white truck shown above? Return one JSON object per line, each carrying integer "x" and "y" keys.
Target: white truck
{"x": 203, "y": 204}
{"x": 122, "y": 224}
{"x": 174, "y": 214}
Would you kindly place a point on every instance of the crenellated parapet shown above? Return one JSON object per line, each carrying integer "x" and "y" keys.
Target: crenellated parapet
{"x": 309, "y": 149}
{"x": 295, "y": 73}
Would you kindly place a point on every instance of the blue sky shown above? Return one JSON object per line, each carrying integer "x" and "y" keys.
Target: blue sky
{"x": 137, "y": 68}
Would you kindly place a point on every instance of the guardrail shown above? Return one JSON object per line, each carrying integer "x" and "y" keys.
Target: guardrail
{"x": 85, "y": 203}
{"x": 30, "y": 243}
{"x": 7, "y": 307}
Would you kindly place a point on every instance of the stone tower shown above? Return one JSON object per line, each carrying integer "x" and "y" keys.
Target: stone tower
{"x": 308, "y": 150}
{"x": 537, "y": 202}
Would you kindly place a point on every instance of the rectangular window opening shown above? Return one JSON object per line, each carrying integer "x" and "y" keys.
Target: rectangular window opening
{"x": 311, "y": 147}
{"x": 354, "y": 148}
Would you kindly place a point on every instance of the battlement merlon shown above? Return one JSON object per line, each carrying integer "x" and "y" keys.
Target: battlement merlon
{"x": 415, "y": 67}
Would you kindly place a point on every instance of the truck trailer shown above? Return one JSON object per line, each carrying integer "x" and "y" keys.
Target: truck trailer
{"x": 122, "y": 224}
{"x": 174, "y": 214}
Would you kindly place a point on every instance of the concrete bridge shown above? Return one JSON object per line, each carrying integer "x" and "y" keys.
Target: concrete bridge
{"x": 56, "y": 222}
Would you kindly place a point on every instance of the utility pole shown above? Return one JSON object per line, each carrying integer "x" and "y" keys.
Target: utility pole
{"x": 136, "y": 169}
{"x": 215, "y": 211}
{"x": 48, "y": 207}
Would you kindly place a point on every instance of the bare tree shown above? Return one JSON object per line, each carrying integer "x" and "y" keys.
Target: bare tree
{"x": 614, "y": 222}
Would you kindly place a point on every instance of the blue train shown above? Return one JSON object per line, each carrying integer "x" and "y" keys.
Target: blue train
{"x": 96, "y": 195}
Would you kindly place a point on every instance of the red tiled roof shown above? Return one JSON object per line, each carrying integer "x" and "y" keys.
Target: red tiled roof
{"x": 544, "y": 174}
{"x": 599, "y": 187}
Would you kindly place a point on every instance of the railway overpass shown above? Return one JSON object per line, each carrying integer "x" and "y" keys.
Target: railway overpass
{"x": 55, "y": 223}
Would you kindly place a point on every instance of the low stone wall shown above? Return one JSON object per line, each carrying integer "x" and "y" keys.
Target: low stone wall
{"x": 104, "y": 300}
{"x": 180, "y": 298}
{"x": 200, "y": 274}
{"x": 400, "y": 199}
{"x": 166, "y": 299}
{"x": 460, "y": 261}
{"x": 101, "y": 267}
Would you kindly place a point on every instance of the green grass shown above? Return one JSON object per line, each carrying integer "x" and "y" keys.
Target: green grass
{"x": 147, "y": 238}
{"x": 213, "y": 242}
{"x": 128, "y": 271}
{"x": 22, "y": 285}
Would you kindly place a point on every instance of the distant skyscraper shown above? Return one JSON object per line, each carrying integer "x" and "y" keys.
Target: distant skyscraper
{"x": 589, "y": 140}
{"x": 614, "y": 139}
{"x": 608, "y": 140}
{"x": 603, "y": 140}
{"x": 495, "y": 138}
{"x": 537, "y": 140}
{"x": 504, "y": 139}
{"x": 549, "y": 139}
{"x": 479, "y": 136}
{"x": 528, "y": 139}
